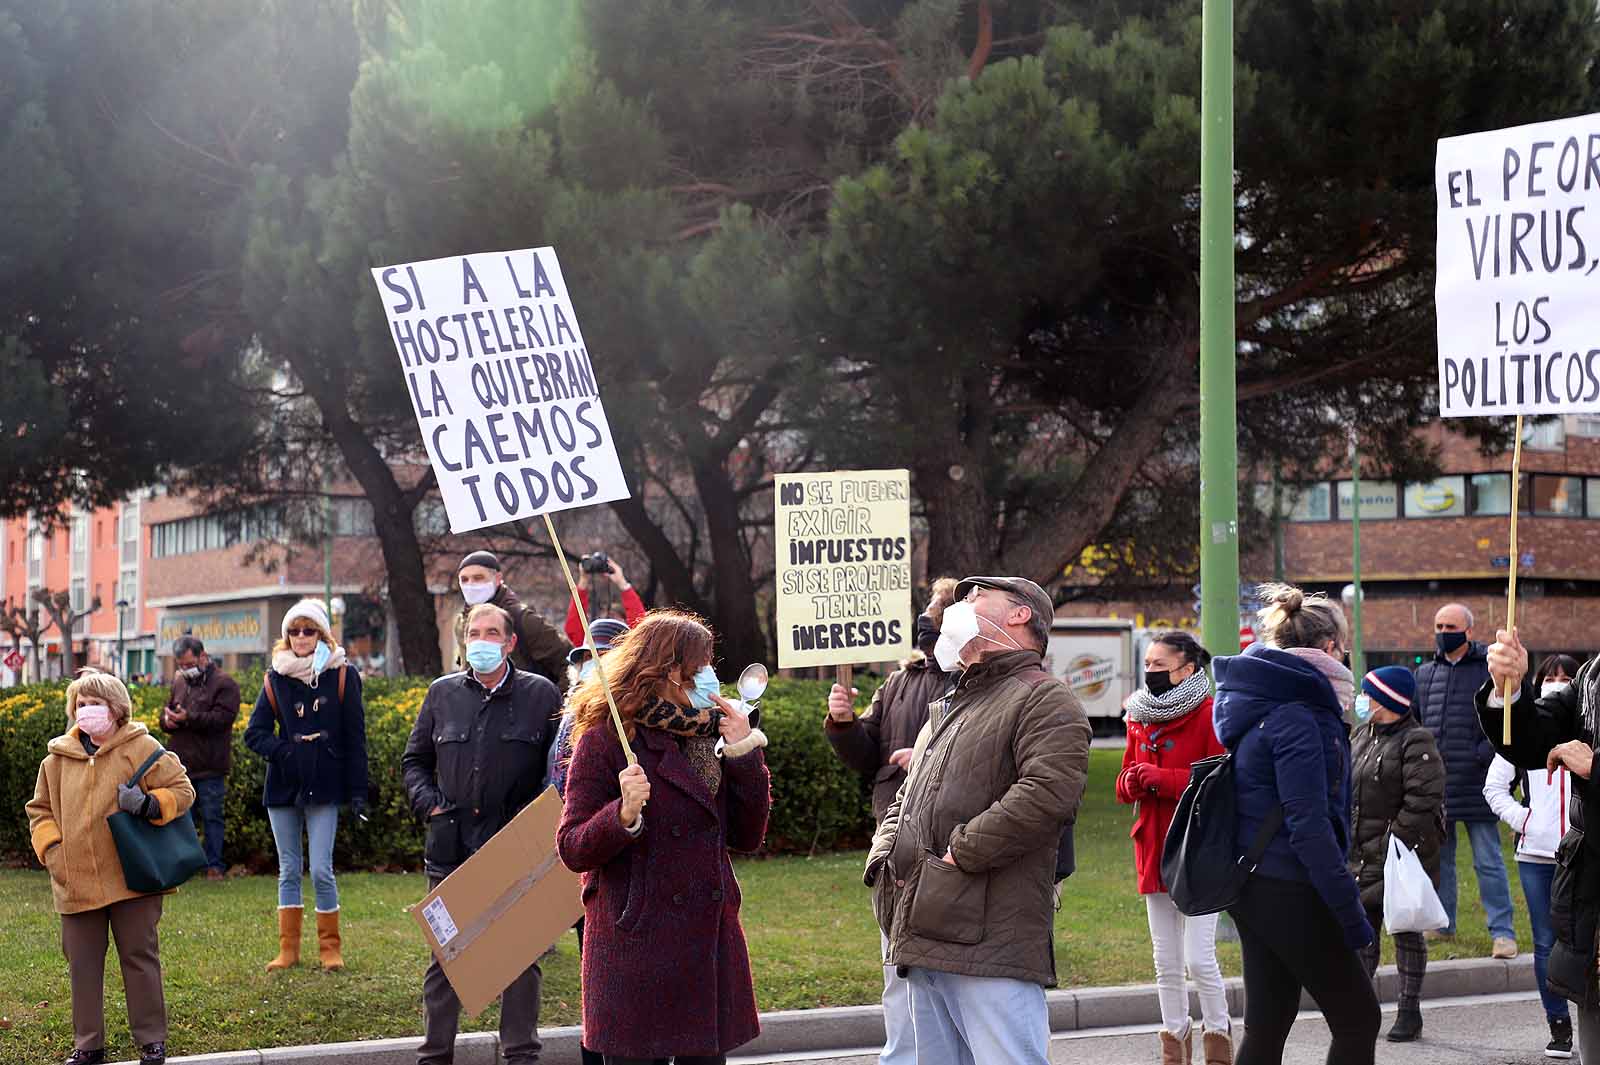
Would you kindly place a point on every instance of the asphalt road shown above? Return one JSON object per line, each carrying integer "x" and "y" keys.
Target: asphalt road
{"x": 1488, "y": 1030}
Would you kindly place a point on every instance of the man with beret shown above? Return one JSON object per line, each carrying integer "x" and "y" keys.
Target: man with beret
{"x": 963, "y": 866}
{"x": 540, "y": 648}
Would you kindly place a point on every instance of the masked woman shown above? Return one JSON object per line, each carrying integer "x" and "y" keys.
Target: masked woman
{"x": 1169, "y": 729}
{"x": 308, "y": 723}
{"x": 665, "y": 969}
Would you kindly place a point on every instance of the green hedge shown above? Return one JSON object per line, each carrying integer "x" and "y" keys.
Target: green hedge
{"x": 818, "y": 804}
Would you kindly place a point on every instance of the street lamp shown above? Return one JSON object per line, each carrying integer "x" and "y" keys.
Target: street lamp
{"x": 122, "y": 663}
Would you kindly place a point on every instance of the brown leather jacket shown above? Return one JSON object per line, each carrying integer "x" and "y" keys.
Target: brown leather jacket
{"x": 203, "y": 741}
{"x": 999, "y": 770}
{"x": 899, "y": 710}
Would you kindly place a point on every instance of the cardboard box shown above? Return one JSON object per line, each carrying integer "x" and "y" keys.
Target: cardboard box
{"x": 496, "y": 914}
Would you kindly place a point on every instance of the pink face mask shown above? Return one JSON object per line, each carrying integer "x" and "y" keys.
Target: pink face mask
{"x": 95, "y": 720}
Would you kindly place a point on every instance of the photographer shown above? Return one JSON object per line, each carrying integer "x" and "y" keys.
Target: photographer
{"x": 632, "y": 605}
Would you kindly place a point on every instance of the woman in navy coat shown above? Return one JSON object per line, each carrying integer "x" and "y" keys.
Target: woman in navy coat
{"x": 310, "y": 726}
{"x": 665, "y": 969}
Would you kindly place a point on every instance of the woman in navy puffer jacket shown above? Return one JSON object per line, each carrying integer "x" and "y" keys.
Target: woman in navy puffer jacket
{"x": 1280, "y": 710}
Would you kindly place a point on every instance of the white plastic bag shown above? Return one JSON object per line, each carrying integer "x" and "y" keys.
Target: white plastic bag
{"x": 1409, "y": 902}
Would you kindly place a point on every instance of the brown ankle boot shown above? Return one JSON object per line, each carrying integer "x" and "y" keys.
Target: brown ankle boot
{"x": 1217, "y": 1048}
{"x": 328, "y": 941}
{"x": 1177, "y": 1051}
{"x": 288, "y": 938}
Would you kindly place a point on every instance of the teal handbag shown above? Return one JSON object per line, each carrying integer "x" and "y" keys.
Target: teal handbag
{"x": 155, "y": 857}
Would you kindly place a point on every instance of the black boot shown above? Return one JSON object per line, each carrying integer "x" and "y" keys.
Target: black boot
{"x": 87, "y": 1057}
{"x": 153, "y": 1054}
{"x": 1560, "y": 1045}
{"x": 1407, "y": 1025}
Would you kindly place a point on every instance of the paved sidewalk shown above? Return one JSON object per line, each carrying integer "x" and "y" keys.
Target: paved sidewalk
{"x": 1488, "y": 1030}
{"x": 838, "y": 1033}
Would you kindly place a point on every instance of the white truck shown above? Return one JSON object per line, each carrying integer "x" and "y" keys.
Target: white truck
{"x": 1102, "y": 660}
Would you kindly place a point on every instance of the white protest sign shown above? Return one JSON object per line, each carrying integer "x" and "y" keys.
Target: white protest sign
{"x": 844, "y": 567}
{"x": 1518, "y": 288}
{"x": 503, "y": 388}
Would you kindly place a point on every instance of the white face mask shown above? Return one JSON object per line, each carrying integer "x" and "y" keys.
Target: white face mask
{"x": 961, "y": 625}
{"x": 478, "y": 593}
{"x": 1553, "y": 687}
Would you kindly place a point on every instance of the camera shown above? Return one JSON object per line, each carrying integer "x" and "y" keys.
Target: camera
{"x": 595, "y": 563}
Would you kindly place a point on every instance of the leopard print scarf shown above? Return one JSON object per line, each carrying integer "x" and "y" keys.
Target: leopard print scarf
{"x": 696, "y": 732}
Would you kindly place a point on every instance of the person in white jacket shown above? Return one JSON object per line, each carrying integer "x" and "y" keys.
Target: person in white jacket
{"x": 1539, "y": 826}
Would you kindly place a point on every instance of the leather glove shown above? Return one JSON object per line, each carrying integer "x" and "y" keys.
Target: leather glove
{"x": 132, "y": 799}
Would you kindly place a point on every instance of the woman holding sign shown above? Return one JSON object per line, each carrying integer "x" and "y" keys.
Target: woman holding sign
{"x": 665, "y": 968}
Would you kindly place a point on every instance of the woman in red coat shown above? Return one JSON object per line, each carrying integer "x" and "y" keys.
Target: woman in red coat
{"x": 665, "y": 969}
{"x": 1169, "y": 729}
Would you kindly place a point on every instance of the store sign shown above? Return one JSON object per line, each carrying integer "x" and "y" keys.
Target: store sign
{"x": 1088, "y": 675}
{"x": 1379, "y": 499}
{"x": 221, "y": 631}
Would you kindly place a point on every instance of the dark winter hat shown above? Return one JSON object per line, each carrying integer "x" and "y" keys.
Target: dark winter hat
{"x": 606, "y": 632}
{"x": 486, "y": 559}
{"x": 1391, "y": 687}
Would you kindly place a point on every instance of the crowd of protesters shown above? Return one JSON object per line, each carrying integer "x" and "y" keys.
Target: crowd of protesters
{"x": 977, "y": 758}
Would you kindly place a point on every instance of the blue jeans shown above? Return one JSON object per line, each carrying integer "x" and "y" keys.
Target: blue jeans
{"x": 319, "y": 824}
{"x": 1494, "y": 888}
{"x": 978, "y": 1020}
{"x": 207, "y": 815}
{"x": 1536, "y": 879}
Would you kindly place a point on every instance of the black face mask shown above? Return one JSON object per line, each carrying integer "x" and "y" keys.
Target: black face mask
{"x": 925, "y": 634}
{"x": 1448, "y": 642}
{"x": 1158, "y": 681}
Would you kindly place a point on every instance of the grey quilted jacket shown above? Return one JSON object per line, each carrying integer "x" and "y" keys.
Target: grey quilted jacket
{"x": 998, "y": 771}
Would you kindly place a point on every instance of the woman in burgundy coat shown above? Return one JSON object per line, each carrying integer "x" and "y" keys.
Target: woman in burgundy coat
{"x": 1169, "y": 729}
{"x": 665, "y": 969}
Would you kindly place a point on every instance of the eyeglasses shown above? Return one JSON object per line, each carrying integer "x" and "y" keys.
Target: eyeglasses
{"x": 303, "y": 632}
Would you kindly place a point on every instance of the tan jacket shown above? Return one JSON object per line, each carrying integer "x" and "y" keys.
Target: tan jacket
{"x": 998, "y": 771}
{"x": 74, "y": 796}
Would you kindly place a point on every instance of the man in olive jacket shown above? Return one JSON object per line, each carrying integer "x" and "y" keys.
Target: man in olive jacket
{"x": 963, "y": 865}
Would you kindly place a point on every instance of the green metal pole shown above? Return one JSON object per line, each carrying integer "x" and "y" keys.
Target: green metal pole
{"x": 1358, "y": 658}
{"x": 1219, "y": 451}
{"x": 327, "y": 548}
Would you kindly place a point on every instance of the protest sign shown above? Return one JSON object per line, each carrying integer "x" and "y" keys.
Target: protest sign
{"x": 1519, "y": 270}
{"x": 502, "y": 385}
{"x": 844, "y": 567}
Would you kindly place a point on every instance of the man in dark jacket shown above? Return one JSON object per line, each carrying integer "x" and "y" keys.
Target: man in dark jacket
{"x": 539, "y": 647}
{"x": 198, "y": 720}
{"x": 1445, "y": 690}
{"x": 475, "y": 758}
{"x": 963, "y": 865}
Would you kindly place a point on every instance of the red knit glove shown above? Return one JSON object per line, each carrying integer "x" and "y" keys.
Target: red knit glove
{"x": 1139, "y": 777}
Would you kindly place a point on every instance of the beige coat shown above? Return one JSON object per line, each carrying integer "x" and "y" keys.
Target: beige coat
{"x": 74, "y": 796}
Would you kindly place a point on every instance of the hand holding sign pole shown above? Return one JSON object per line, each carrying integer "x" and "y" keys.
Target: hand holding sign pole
{"x": 505, "y": 394}
{"x": 1518, "y": 254}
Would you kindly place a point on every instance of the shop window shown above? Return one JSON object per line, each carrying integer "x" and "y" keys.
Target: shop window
{"x": 1490, "y": 493}
{"x": 1312, "y": 502}
{"x": 1445, "y": 497}
{"x": 1379, "y": 499}
{"x": 1557, "y": 496}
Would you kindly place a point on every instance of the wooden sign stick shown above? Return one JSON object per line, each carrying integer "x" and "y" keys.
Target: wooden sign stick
{"x": 1511, "y": 586}
{"x": 588, "y": 639}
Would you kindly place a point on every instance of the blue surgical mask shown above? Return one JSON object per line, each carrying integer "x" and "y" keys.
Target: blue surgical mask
{"x": 319, "y": 657}
{"x": 1362, "y": 708}
{"x": 485, "y": 656}
{"x": 586, "y": 670}
{"x": 705, "y": 686}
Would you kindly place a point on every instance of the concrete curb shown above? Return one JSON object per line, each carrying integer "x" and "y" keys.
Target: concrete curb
{"x": 843, "y": 1027}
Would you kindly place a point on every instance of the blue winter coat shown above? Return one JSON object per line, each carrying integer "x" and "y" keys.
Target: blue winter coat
{"x": 328, "y": 771}
{"x": 1285, "y": 728}
{"x": 1445, "y": 704}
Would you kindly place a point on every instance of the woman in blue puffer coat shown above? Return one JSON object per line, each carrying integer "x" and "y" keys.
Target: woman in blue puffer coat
{"x": 1280, "y": 709}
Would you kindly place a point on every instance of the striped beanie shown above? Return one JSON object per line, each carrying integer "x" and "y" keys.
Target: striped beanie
{"x": 1392, "y": 687}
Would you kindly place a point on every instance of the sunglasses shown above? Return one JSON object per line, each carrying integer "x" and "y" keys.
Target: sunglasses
{"x": 303, "y": 632}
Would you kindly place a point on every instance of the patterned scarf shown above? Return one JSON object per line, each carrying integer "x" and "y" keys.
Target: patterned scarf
{"x": 696, "y": 731}
{"x": 1343, "y": 681}
{"x": 1150, "y": 709}
{"x": 1586, "y": 681}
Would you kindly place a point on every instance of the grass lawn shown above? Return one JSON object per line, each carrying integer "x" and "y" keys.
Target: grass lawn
{"x": 812, "y": 941}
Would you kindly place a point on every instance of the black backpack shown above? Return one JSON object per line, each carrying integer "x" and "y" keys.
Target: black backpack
{"x": 1200, "y": 863}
